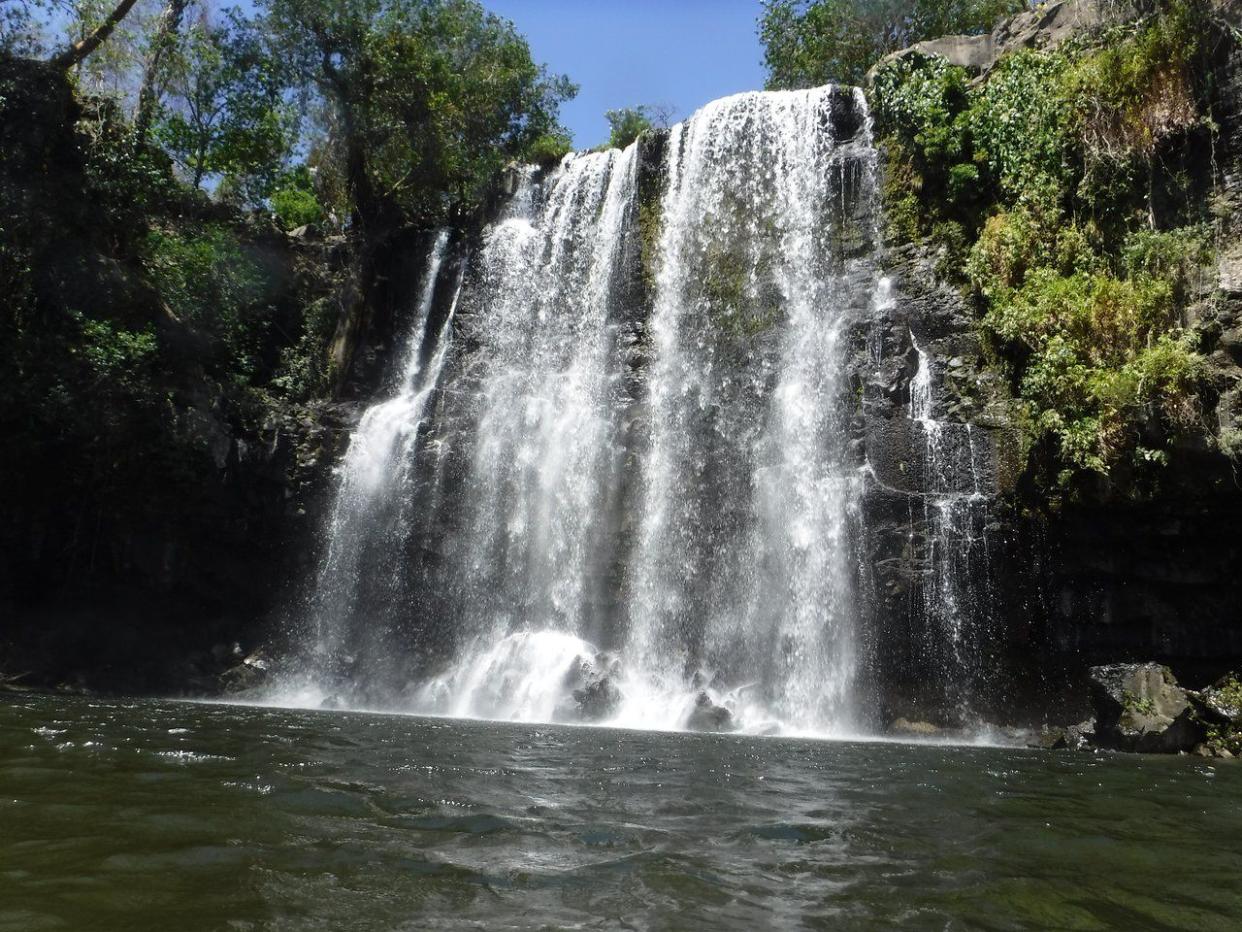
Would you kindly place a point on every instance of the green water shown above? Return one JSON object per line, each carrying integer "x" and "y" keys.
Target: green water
{"x": 173, "y": 816}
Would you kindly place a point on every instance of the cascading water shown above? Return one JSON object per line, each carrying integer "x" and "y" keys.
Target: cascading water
{"x": 955, "y": 598}
{"x": 631, "y": 503}
{"x": 741, "y": 579}
{"x": 372, "y": 497}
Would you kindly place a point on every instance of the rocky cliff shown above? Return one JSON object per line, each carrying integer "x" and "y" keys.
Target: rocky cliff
{"x": 987, "y": 593}
{"x": 1050, "y": 583}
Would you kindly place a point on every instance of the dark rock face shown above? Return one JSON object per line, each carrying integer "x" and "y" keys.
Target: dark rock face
{"x": 122, "y": 571}
{"x": 1140, "y": 707}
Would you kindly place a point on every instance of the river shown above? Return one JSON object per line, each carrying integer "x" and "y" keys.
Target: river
{"x": 168, "y": 815}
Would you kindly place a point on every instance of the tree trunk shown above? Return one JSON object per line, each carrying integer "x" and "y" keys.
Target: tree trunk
{"x": 161, "y": 45}
{"x": 74, "y": 54}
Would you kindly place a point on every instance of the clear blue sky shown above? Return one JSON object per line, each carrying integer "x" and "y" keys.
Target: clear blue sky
{"x": 681, "y": 53}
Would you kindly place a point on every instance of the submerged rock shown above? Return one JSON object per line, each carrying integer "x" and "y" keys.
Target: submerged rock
{"x": 707, "y": 716}
{"x": 1140, "y": 707}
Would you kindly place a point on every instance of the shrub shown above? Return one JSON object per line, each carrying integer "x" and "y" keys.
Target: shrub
{"x": 626, "y": 125}
{"x": 1021, "y": 125}
{"x": 1094, "y": 356}
{"x": 294, "y": 202}
{"x": 549, "y": 149}
{"x": 207, "y": 280}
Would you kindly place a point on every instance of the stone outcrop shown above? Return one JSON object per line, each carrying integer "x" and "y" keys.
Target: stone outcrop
{"x": 1047, "y": 26}
{"x": 707, "y": 716}
{"x": 1140, "y": 707}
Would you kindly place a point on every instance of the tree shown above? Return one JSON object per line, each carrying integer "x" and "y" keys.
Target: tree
{"x": 163, "y": 45}
{"x": 227, "y": 115}
{"x": 76, "y": 52}
{"x": 426, "y": 100}
{"x": 812, "y": 42}
{"x": 628, "y": 123}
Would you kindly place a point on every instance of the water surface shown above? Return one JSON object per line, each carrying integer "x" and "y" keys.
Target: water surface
{"x": 159, "y": 815}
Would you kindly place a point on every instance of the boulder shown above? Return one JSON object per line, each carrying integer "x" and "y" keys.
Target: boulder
{"x": 1221, "y": 703}
{"x": 1070, "y": 738}
{"x": 591, "y": 691}
{"x": 1046, "y": 26}
{"x": 1140, "y": 707}
{"x": 1220, "y": 709}
{"x": 246, "y": 677}
{"x": 707, "y": 716}
{"x": 598, "y": 700}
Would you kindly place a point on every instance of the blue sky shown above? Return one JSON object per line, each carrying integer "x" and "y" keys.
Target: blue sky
{"x": 680, "y": 53}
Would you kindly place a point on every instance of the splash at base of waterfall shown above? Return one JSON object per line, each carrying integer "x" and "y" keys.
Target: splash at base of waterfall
{"x": 554, "y": 677}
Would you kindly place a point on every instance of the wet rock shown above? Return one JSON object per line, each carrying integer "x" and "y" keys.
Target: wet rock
{"x": 915, "y": 729}
{"x": 1140, "y": 707}
{"x": 591, "y": 689}
{"x": 598, "y": 700}
{"x": 1219, "y": 708}
{"x": 707, "y": 716}
{"x": 251, "y": 674}
{"x": 1070, "y": 738}
{"x": 1221, "y": 702}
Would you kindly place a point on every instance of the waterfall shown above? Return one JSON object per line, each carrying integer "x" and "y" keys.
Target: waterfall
{"x": 623, "y": 489}
{"x": 742, "y": 571}
{"x": 373, "y": 488}
{"x": 955, "y": 594}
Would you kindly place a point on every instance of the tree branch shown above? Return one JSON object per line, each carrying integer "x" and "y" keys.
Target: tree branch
{"x": 74, "y": 54}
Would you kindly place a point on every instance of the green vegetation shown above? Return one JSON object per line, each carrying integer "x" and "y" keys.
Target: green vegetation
{"x": 421, "y": 104}
{"x": 224, "y": 115}
{"x": 1229, "y": 693}
{"x": 1136, "y": 705}
{"x": 294, "y": 202}
{"x": 157, "y": 320}
{"x": 807, "y": 43}
{"x": 626, "y": 125}
{"x": 1039, "y": 185}
{"x": 549, "y": 149}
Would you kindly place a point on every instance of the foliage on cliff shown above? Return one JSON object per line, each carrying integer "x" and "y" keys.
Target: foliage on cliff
{"x": 807, "y": 43}
{"x": 1058, "y": 191}
{"x": 159, "y": 324}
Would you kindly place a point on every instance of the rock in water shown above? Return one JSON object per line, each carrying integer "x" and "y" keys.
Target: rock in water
{"x": 914, "y": 729}
{"x": 1220, "y": 709}
{"x": 598, "y": 700}
{"x": 246, "y": 677}
{"x": 1140, "y": 707}
{"x": 1222, "y": 701}
{"x": 707, "y": 716}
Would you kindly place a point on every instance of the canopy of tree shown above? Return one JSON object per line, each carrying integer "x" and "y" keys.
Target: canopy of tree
{"x": 384, "y": 112}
